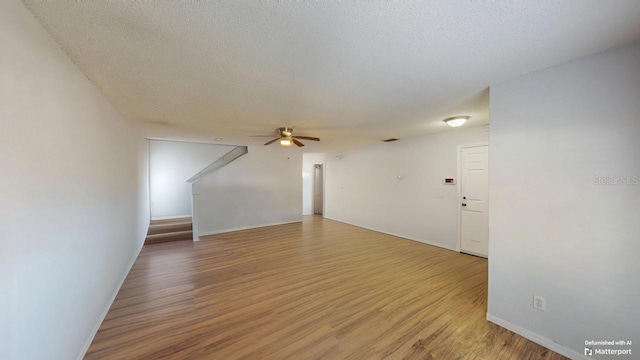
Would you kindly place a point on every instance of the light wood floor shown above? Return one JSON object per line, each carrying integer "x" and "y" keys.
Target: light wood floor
{"x": 316, "y": 290}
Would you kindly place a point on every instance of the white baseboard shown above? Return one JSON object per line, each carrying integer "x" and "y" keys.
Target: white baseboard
{"x": 473, "y": 253}
{"x": 170, "y": 217}
{"x": 396, "y": 235}
{"x": 93, "y": 333}
{"x": 538, "y": 339}
{"x": 245, "y": 228}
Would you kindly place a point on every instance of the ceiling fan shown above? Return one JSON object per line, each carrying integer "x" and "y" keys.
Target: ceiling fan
{"x": 287, "y": 138}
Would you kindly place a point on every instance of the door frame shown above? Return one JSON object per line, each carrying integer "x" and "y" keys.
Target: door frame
{"x": 459, "y": 183}
{"x": 324, "y": 188}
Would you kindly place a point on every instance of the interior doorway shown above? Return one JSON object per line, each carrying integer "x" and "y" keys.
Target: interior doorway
{"x": 473, "y": 235}
{"x": 318, "y": 189}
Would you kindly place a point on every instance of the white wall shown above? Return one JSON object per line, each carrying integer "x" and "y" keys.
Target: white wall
{"x": 73, "y": 204}
{"x": 362, "y": 187}
{"x": 308, "y": 170}
{"x": 171, "y": 164}
{"x": 261, "y": 188}
{"x": 553, "y": 231}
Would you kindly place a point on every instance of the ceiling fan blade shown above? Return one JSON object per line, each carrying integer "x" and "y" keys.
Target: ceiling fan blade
{"x": 260, "y": 135}
{"x": 297, "y": 143}
{"x": 272, "y": 141}
{"x": 306, "y": 138}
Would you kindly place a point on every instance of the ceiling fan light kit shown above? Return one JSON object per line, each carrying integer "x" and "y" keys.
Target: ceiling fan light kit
{"x": 456, "y": 121}
{"x": 286, "y": 142}
{"x": 287, "y": 139}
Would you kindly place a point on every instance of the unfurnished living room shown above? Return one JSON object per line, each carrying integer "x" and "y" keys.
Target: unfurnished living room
{"x": 319, "y": 179}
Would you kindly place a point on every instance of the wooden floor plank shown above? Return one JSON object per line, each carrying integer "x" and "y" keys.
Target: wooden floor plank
{"x": 319, "y": 289}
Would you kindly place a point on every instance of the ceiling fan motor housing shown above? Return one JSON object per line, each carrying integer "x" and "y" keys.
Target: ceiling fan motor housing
{"x": 285, "y": 131}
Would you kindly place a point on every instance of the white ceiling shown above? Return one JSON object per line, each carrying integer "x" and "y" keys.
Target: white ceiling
{"x": 350, "y": 72}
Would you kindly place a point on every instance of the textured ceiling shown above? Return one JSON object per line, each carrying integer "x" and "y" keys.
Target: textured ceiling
{"x": 350, "y": 72}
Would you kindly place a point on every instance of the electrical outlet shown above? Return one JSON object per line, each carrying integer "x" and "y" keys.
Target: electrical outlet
{"x": 539, "y": 303}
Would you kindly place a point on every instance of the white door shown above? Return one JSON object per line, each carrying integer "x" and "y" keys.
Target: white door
{"x": 474, "y": 205}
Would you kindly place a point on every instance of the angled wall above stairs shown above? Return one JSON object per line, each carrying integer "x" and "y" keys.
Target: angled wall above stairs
{"x": 263, "y": 187}
{"x": 172, "y": 163}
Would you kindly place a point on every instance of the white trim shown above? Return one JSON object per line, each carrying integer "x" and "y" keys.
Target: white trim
{"x": 170, "y": 217}
{"x": 427, "y": 242}
{"x": 472, "y": 145}
{"x": 190, "y": 141}
{"x": 324, "y": 188}
{"x": 474, "y": 254}
{"x": 459, "y": 192}
{"x": 149, "y": 176}
{"x": 195, "y": 224}
{"x": 93, "y": 333}
{"x": 538, "y": 339}
{"x": 313, "y": 189}
{"x": 245, "y": 228}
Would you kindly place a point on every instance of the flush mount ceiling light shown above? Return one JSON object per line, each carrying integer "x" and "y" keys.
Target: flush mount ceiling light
{"x": 456, "y": 121}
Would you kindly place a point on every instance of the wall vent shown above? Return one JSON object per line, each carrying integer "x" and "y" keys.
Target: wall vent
{"x": 390, "y": 140}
